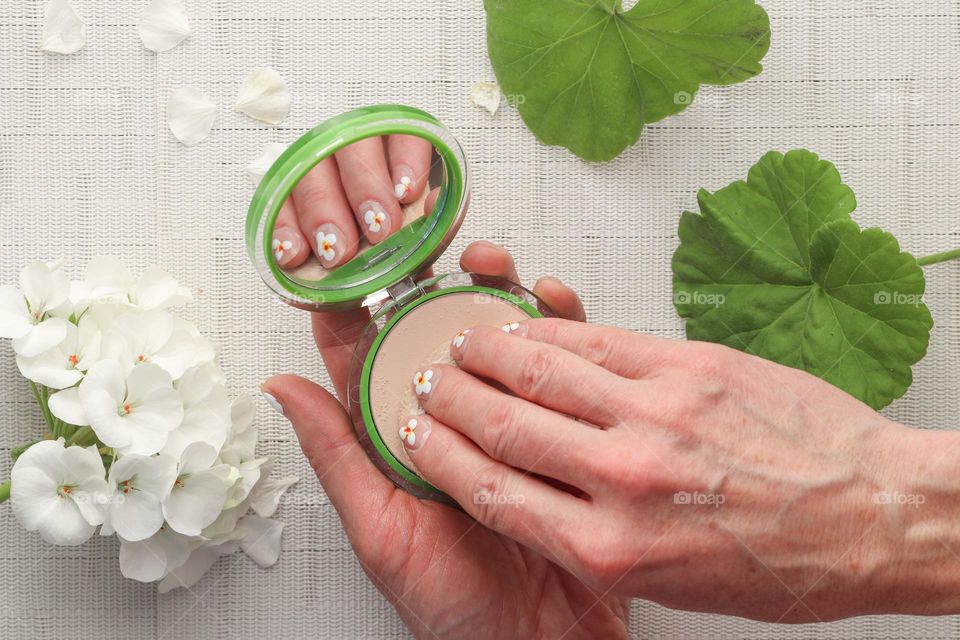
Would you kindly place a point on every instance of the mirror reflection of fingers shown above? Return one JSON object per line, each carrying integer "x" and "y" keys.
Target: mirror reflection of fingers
{"x": 369, "y": 189}
{"x": 430, "y": 201}
{"x": 290, "y": 248}
{"x": 325, "y": 216}
{"x": 409, "y": 158}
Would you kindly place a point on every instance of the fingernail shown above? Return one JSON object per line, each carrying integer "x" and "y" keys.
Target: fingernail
{"x": 414, "y": 432}
{"x": 518, "y": 329}
{"x": 375, "y": 217}
{"x": 404, "y": 177}
{"x": 424, "y": 382}
{"x": 329, "y": 245}
{"x": 457, "y": 344}
{"x": 273, "y": 403}
{"x": 286, "y": 244}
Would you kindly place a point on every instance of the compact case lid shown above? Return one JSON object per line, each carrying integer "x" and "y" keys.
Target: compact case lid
{"x": 364, "y": 279}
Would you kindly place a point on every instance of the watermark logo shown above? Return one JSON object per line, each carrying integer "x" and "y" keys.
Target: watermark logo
{"x": 899, "y": 499}
{"x": 682, "y": 97}
{"x": 896, "y": 297}
{"x": 699, "y": 298}
{"x": 699, "y": 499}
{"x": 500, "y": 499}
{"x": 514, "y": 99}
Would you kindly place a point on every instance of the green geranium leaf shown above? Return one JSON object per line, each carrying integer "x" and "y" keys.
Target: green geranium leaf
{"x": 587, "y": 75}
{"x": 774, "y": 266}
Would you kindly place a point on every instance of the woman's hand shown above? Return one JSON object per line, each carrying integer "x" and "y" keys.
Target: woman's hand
{"x": 355, "y": 194}
{"x": 693, "y": 475}
{"x": 447, "y": 576}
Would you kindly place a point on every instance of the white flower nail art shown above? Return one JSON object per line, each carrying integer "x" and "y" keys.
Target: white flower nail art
{"x": 280, "y": 247}
{"x": 422, "y": 381}
{"x": 374, "y": 220}
{"x": 460, "y": 337}
{"x": 408, "y": 432}
{"x": 510, "y": 327}
{"x": 325, "y": 242}
{"x": 403, "y": 187}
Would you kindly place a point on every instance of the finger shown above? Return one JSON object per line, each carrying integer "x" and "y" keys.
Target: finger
{"x": 561, "y": 299}
{"x": 543, "y": 373}
{"x": 511, "y": 430}
{"x": 625, "y": 353}
{"x": 488, "y": 259}
{"x": 429, "y": 201}
{"x": 498, "y": 496}
{"x": 290, "y": 248}
{"x": 409, "y": 158}
{"x": 369, "y": 188}
{"x": 354, "y": 485}
{"x": 325, "y": 216}
{"x": 336, "y": 335}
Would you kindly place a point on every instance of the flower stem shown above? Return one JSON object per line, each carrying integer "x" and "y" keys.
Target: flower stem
{"x": 16, "y": 452}
{"x": 939, "y": 257}
{"x": 47, "y": 416}
{"x": 5, "y": 491}
{"x": 83, "y": 436}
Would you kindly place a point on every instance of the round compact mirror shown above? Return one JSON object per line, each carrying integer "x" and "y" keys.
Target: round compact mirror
{"x": 352, "y": 215}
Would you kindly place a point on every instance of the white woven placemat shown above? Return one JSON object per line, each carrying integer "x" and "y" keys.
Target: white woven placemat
{"x": 87, "y": 166}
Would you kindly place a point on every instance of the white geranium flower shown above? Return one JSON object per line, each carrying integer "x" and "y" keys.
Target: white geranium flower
{"x": 59, "y": 491}
{"x": 64, "y": 365}
{"x": 132, "y": 414}
{"x": 206, "y": 410}
{"x": 151, "y": 559}
{"x": 151, "y": 336}
{"x": 140, "y": 484}
{"x": 107, "y": 279}
{"x": 164, "y": 25}
{"x": 25, "y": 314}
{"x": 199, "y": 492}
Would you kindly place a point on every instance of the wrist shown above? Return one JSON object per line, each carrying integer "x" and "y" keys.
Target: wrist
{"x": 918, "y": 509}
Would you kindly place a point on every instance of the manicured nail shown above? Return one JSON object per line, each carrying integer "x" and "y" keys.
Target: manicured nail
{"x": 329, "y": 248}
{"x": 286, "y": 244}
{"x": 518, "y": 329}
{"x": 414, "y": 432}
{"x": 404, "y": 181}
{"x": 424, "y": 382}
{"x": 456, "y": 345}
{"x": 274, "y": 404}
{"x": 376, "y": 217}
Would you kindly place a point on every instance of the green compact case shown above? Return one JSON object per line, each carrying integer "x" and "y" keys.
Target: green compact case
{"x": 390, "y": 278}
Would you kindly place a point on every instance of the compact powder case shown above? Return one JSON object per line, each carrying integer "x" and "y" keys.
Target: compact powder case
{"x": 414, "y": 314}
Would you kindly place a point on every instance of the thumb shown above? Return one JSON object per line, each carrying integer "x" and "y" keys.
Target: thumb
{"x": 354, "y": 485}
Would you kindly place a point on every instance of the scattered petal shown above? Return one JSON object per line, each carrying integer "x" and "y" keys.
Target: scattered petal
{"x": 261, "y": 540}
{"x": 264, "y": 96}
{"x": 486, "y": 95}
{"x": 191, "y": 115}
{"x": 63, "y": 28}
{"x": 164, "y": 25}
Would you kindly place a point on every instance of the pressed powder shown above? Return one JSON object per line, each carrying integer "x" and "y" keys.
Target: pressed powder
{"x": 422, "y": 337}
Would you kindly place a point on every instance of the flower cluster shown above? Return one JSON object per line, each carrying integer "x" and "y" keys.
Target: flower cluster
{"x": 143, "y": 440}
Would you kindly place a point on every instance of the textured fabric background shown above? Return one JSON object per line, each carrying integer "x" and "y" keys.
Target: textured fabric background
{"x": 88, "y": 166}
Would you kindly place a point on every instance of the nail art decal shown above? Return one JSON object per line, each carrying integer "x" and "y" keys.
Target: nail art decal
{"x": 408, "y": 432}
{"x": 460, "y": 337}
{"x": 422, "y": 382}
{"x": 281, "y": 248}
{"x": 510, "y": 327}
{"x": 375, "y": 217}
{"x": 325, "y": 242}
{"x": 402, "y": 188}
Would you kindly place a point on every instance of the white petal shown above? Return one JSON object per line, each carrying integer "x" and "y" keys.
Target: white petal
{"x": 156, "y": 289}
{"x": 191, "y": 115}
{"x": 249, "y": 474}
{"x": 486, "y": 95}
{"x": 64, "y": 525}
{"x": 258, "y": 168}
{"x": 49, "y": 369}
{"x": 261, "y": 539}
{"x": 195, "y": 502}
{"x": 264, "y": 96}
{"x": 199, "y": 562}
{"x": 44, "y": 288}
{"x": 197, "y": 457}
{"x": 63, "y": 28}
{"x": 41, "y": 337}
{"x": 105, "y": 278}
{"x": 164, "y": 25}
{"x": 265, "y": 497}
{"x": 242, "y": 413}
{"x": 151, "y": 559}
{"x": 66, "y": 406}
{"x": 135, "y": 515}
{"x": 14, "y": 316}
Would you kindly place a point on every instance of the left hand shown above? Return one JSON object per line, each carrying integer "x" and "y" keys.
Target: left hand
{"x": 447, "y": 576}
